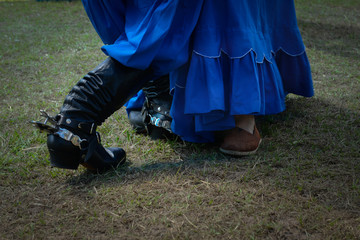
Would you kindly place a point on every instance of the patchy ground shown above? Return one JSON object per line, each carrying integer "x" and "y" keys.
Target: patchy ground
{"x": 304, "y": 183}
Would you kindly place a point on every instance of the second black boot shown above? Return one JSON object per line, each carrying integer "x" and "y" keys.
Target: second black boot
{"x": 73, "y": 140}
{"x": 154, "y": 117}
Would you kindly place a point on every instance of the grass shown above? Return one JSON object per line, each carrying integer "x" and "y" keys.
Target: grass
{"x": 304, "y": 183}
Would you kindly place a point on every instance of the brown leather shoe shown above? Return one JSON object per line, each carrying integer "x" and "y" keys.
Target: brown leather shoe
{"x": 239, "y": 142}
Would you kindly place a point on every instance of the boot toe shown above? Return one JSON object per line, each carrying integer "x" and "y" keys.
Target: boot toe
{"x": 105, "y": 159}
{"x": 119, "y": 156}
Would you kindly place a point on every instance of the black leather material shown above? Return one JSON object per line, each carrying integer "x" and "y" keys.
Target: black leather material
{"x": 92, "y": 100}
{"x": 157, "y": 87}
{"x": 154, "y": 117}
{"x": 103, "y": 91}
{"x": 137, "y": 121}
{"x": 63, "y": 154}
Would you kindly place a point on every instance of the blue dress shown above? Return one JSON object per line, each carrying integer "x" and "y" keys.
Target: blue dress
{"x": 224, "y": 58}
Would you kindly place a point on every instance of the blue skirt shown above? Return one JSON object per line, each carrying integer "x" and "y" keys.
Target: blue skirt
{"x": 224, "y": 58}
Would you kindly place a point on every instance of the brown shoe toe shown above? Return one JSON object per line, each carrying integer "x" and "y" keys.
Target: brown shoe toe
{"x": 239, "y": 142}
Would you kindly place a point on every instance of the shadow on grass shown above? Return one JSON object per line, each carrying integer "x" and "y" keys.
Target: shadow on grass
{"x": 312, "y": 148}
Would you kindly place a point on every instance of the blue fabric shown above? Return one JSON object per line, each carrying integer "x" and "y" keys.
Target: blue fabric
{"x": 140, "y": 33}
{"x": 135, "y": 103}
{"x": 224, "y": 57}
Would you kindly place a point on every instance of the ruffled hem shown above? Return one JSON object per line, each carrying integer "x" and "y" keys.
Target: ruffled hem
{"x": 208, "y": 92}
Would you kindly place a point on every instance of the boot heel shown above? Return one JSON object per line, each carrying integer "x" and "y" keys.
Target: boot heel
{"x": 63, "y": 161}
{"x": 62, "y": 153}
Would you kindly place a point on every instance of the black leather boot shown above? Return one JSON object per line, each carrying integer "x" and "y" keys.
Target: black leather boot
{"x": 154, "y": 117}
{"x": 73, "y": 139}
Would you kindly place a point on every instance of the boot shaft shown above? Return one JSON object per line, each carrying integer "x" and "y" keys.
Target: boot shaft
{"x": 103, "y": 91}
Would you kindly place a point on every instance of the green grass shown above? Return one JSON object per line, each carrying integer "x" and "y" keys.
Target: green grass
{"x": 304, "y": 183}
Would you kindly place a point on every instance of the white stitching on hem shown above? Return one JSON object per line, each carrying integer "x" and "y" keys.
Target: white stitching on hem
{"x": 251, "y": 49}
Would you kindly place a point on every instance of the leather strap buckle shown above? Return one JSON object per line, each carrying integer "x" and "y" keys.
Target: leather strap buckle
{"x": 74, "y": 139}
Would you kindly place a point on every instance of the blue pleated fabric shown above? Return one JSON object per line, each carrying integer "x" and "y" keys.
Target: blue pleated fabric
{"x": 224, "y": 58}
